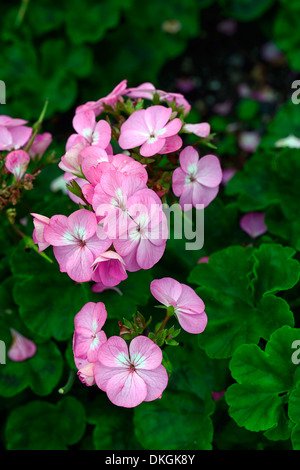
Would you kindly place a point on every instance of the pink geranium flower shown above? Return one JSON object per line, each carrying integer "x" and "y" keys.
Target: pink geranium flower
{"x": 21, "y": 348}
{"x": 253, "y": 223}
{"x": 88, "y": 335}
{"x": 85, "y": 371}
{"x": 130, "y": 377}
{"x": 13, "y": 133}
{"x": 147, "y": 232}
{"x": 90, "y": 132}
{"x": 196, "y": 181}
{"x": 40, "y": 222}
{"x": 147, "y": 90}
{"x": 188, "y": 307}
{"x": 110, "y": 269}
{"x": 76, "y": 244}
{"x": 150, "y": 129}
{"x": 16, "y": 162}
{"x": 111, "y": 198}
{"x": 40, "y": 144}
{"x": 110, "y": 100}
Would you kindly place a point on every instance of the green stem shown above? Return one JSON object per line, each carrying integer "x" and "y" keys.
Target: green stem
{"x": 69, "y": 383}
{"x": 163, "y": 324}
{"x": 37, "y": 126}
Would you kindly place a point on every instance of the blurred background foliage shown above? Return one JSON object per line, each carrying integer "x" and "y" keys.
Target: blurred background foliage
{"x": 214, "y": 52}
{"x": 71, "y": 51}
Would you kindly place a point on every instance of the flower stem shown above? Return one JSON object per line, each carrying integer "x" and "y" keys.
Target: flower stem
{"x": 68, "y": 386}
{"x": 163, "y": 324}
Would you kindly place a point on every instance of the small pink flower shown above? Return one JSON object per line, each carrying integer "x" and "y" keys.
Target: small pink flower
{"x": 13, "y": 134}
{"x": 150, "y": 129}
{"x": 129, "y": 378}
{"x": 88, "y": 335}
{"x": 40, "y": 222}
{"x": 71, "y": 161}
{"x": 40, "y": 145}
{"x": 89, "y": 131}
{"x": 76, "y": 243}
{"x": 21, "y": 348}
{"x": 196, "y": 181}
{"x": 147, "y": 90}
{"x": 85, "y": 371}
{"x": 147, "y": 232}
{"x": 201, "y": 130}
{"x": 253, "y": 223}
{"x": 17, "y": 162}
{"x": 110, "y": 269}
{"x": 110, "y": 100}
{"x": 111, "y": 198}
{"x": 188, "y": 307}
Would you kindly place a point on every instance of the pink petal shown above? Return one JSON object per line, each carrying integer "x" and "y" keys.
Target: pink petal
{"x": 201, "y": 130}
{"x": 92, "y": 316}
{"x": 82, "y": 224}
{"x": 178, "y": 181}
{"x": 209, "y": 172}
{"x": 156, "y": 381}
{"x": 156, "y": 118}
{"x": 102, "y": 134}
{"x": 145, "y": 90}
{"x": 149, "y": 254}
{"x": 253, "y": 223}
{"x": 144, "y": 354}
{"x": 203, "y": 195}
{"x": 78, "y": 266}
{"x": 172, "y": 144}
{"x": 189, "y": 300}
{"x": 189, "y": 158}
{"x": 103, "y": 374}
{"x": 150, "y": 149}
{"x": 21, "y": 348}
{"x": 126, "y": 389}
{"x": 172, "y": 128}
{"x": 57, "y": 233}
{"x": 20, "y": 135}
{"x": 17, "y": 162}
{"x": 192, "y": 323}
{"x": 84, "y": 124}
{"x": 5, "y": 138}
{"x": 114, "y": 353}
{"x": 166, "y": 290}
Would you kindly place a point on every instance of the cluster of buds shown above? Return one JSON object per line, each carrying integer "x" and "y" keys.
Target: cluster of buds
{"x": 21, "y": 149}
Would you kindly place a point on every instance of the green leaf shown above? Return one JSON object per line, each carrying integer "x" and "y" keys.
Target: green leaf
{"x": 41, "y": 372}
{"x": 273, "y": 312}
{"x": 275, "y": 270}
{"x": 48, "y": 300}
{"x": 51, "y": 427}
{"x": 264, "y": 380}
{"x": 226, "y": 272}
{"x": 113, "y": 429}
{"x": 177, "y": 421}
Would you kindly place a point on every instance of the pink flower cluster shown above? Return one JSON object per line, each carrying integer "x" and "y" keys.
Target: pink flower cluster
{"x": 128, "y": 376}
{"x": 123, "y": 227}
